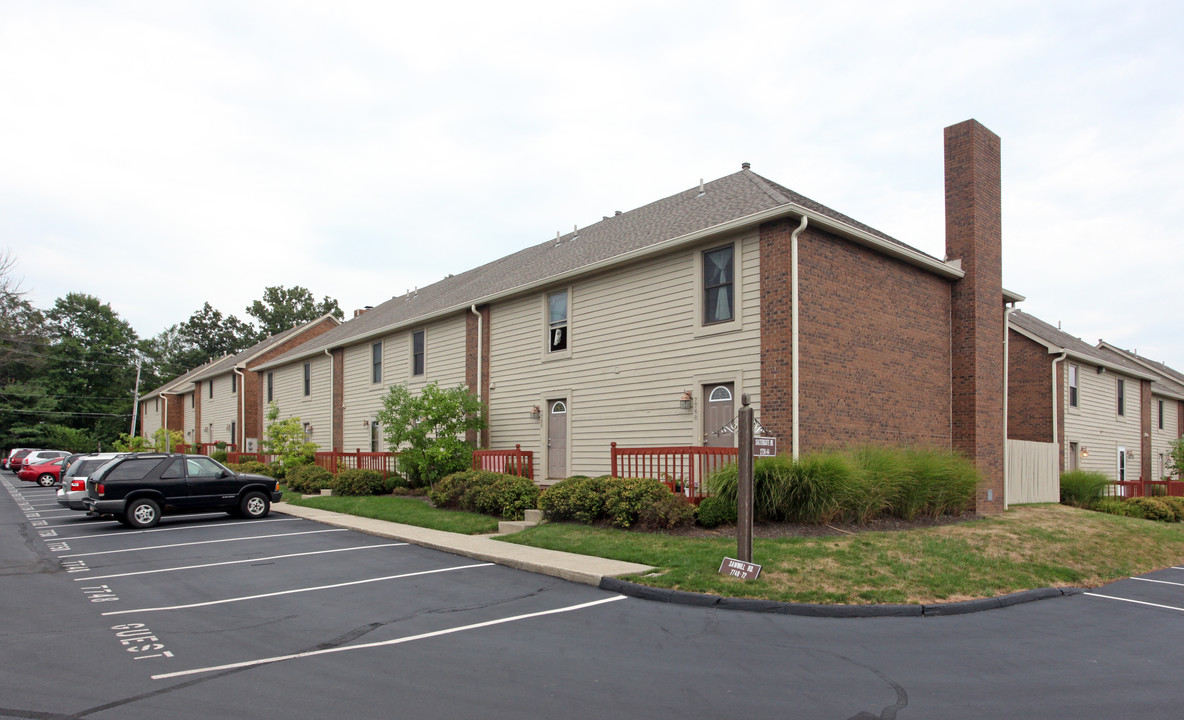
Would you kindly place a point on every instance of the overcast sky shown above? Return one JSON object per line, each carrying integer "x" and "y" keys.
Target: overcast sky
{"x": 159, "y": 155}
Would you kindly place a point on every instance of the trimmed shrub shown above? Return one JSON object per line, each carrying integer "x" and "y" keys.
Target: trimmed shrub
{"x": 353, "y": 481}
{"x": 715, "y": 511}
{"x": 668, "y": 511}
{"x": 577, "y": 498}
{"x": 308, "y": 479}
{"x": 491, "y": 493}
{"x": 1176, "y": 504}
{"x": 624, "y": 498}
{"x": 1154, "y": 509}
{"x": 1082, "y": 488}
{"x": 1114, "y": 506}
{"x": 220, "y": 456}
{"x": 255, "y": 467}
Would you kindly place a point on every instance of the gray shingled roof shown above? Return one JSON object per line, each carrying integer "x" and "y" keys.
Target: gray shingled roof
{"x": 724, "y": 200}
{"x": 1075, "y": 345}
{"x": 1170, "y": 381}
{"x": 225, "y": 364}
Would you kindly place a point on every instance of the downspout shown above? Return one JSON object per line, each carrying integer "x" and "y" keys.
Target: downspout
{"x": 793, "y": 259}
{"x": 242, "y": 408}
{"x": 1006, "y": 389}
{"x": 1055, "y": 435}
{"x": 164, "y": 423}
{"x": 331, "y": 406}
{"x": 473, "y": 309}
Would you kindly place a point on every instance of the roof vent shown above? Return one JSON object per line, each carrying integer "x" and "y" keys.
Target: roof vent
{"x": 617, "y": 213}
{"x": 575, "y": 232}
{"x": 745, "y": 166}
{"x": 702, "y": 192}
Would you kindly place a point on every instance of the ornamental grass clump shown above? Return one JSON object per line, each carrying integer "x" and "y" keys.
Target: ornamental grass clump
{"x": 1082, "y": 488}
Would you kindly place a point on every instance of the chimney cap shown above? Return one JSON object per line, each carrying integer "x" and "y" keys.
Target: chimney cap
{"x": 745, "y": 166}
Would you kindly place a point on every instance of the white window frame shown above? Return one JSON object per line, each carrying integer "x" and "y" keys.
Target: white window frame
{"x": 549, "y": 354}
{"x": 376, "y": 363}
{"x": 308, "y": 379}
{"x": 736, "y": 324}
{"x": 411, "y": 347}
{"x": 1074, "y": 386}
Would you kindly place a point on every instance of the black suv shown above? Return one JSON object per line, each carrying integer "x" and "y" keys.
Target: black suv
{"x": 137, "y": 488}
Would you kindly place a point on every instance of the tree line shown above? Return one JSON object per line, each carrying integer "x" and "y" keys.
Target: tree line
{"x": 68, "y": 372}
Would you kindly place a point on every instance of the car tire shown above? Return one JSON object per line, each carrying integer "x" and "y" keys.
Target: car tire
{"x": 46, "y": 480}
{"x": 254, "y": 505}
{"x": 143, "y": 513}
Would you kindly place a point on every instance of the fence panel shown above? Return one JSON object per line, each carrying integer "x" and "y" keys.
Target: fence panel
{"x": 1033, "y": 474}
{"x": 683, "y": 469}
{"x": 511, "y": 462}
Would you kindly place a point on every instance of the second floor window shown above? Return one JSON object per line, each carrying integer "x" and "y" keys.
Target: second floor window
{"x": 270, "y": 387}
{"x": 376, "y": 363}
{"x": 210, "y": 384}
{"x": 233, "y": 382}
{"x": 1121, "y": 396}
{"x": 417, "y": 354}
{"x": 1161, "y": 415}
{"x": 557, "y": 321}
{"x": 718, "y": 290}
{"x": 1072, "y": 386}
{"x": 307, "y": 379}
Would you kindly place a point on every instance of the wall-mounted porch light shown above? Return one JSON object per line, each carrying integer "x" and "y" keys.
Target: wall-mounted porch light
{"x": 535, "y": 413}
{"x": 686, "y": 402}
{"x": 1084, "y": 452}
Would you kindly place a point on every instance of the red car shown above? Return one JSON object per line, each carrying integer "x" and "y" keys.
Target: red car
{"x": 45, "y": 474}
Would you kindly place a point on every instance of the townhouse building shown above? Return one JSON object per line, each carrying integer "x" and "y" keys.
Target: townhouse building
{"x": 220, "y": 400}
{"x": 1104, "y": 408}
{"x": 646, "y": 328}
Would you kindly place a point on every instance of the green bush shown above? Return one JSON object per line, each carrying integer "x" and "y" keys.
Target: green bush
{"x": 715, "y": 511}
{"x": 255, "y": 468}
{"x": 1082, "y": 488}
{"x": 1176, "y": 504}
{"x": 577, "y": 498}
{"x": 276, "y": 470}
{"x": 491, "y": 493}
{"x": 625, "y": 498}
{"x": 354, "y": 481}
{"x": 1154, "y": 509}
{"x": 940, "y": 481}
{"x": 1114, "y": 506}
{"x": 220, "y": 455}
{"x": 668, "y": 511}
{"x": 308, "y": 479}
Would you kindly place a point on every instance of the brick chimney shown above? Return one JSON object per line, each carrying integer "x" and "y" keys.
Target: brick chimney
{"x": 974, "y": 235}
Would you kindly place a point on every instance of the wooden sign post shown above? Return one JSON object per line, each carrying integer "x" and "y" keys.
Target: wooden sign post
{"x": 744, "y": 489}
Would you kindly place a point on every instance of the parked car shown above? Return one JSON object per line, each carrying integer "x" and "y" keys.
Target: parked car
{"x": 15, "y": 457}
{"x": 45, "y": 474}
{"x": 37, "y": 457}
{"x": 78, "y": 469}
{"x": 138, "y": 488}
{"x": 9, "y": 455}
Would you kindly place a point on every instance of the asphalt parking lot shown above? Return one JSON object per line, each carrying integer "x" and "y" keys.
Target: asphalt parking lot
{"x": 206, "y": 616}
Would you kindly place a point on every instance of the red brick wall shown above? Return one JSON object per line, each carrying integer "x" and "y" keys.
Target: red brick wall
{"x": 255, "y": 382}
{"x": 874, "y": 343}
{"x": 1029, "y": 384}
{"x": 471, "y": 365}
{"x": 974, "y": 231}
{"x": 196, "y": 414}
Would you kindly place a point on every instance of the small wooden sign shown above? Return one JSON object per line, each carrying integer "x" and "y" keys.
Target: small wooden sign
{"x": 764, "y": 447}
{"x": 739, "y": 569}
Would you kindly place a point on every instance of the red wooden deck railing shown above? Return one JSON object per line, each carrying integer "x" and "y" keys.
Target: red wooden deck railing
{"x": 511, "y": 462}
{"x": 383, "y": 462}
{"x": 204, "y": 448}
{"x": 682, "y": 469}
{"x": 1145, "y": 488}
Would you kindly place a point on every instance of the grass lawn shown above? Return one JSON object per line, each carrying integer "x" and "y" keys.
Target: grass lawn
{"x": 406, "y": 510}
{"x": 1027, "y": 547}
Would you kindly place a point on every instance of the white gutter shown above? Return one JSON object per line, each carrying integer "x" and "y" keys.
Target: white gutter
{"x": 331, "y": 406}
{"x": 793, "y": 261}
{"x": 242, "y": 407}
{"x": 850, "y": 232}
{"x": 1006, "y": 356}
{"x": 1055, "y": 434}
{"x": 473, "y": 309}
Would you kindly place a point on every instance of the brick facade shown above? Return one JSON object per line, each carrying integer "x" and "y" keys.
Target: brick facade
{"x": 874, "y": 368}
{"x": 974, "y": 232}
{"x": 1029, "y": 389}
{"x": 254, "y": 406}
{"x": 339, "y": 398}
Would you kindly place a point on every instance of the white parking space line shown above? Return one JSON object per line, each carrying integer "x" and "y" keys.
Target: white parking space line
{"x": 1136, "y": 602}
{"x": 298, "y": 590}
{"x": 1161, "y": 582}
{"x": 202, "y": 542}
{"x": 396, "y": 641}
{"x": 172, "y": 528}
{"x": 237, "y": 562}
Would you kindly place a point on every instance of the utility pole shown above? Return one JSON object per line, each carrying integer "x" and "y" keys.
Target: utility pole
{"x": 135, "y": 401}
{"x": 744, "y": 488}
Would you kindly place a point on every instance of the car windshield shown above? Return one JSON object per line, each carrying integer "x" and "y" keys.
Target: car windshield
{"x": 82, "y": 468}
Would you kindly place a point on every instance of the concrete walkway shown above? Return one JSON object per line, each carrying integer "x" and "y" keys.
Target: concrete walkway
{"x": 569, "y": 566}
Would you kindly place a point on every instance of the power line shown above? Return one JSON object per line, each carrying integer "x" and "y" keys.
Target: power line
{"x": 129, "y": 364}
{"x": 71, "y": 414}
{"x": 4, "y": 393}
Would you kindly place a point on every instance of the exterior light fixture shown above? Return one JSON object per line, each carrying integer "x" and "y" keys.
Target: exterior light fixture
{"x": 535, "y": 413}
{"x": 365, "y": 423}
{"x": 686, "y": 402}
{"x": 1084, "y": 452}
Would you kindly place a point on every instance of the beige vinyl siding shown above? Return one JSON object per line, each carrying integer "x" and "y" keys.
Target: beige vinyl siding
{"x": 314, "y": 409}
{"x": 1161, "y": 440}
{"x": 1096, "y": 425}
{"x": 219, "y": 411}
{"x": 633, "y": 351}
{"x": 189, "y": 417}
{"x": 151, "y": 412}
{"x": 444, "y": 364}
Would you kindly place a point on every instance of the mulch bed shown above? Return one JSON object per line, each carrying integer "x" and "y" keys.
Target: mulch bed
{"x": 776, "y": 530}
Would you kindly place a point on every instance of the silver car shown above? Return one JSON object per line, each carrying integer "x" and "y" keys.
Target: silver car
{"x": 74, "y": 478}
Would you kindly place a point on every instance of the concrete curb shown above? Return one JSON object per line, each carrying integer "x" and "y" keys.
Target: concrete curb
{"x": 680, "y": 597}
